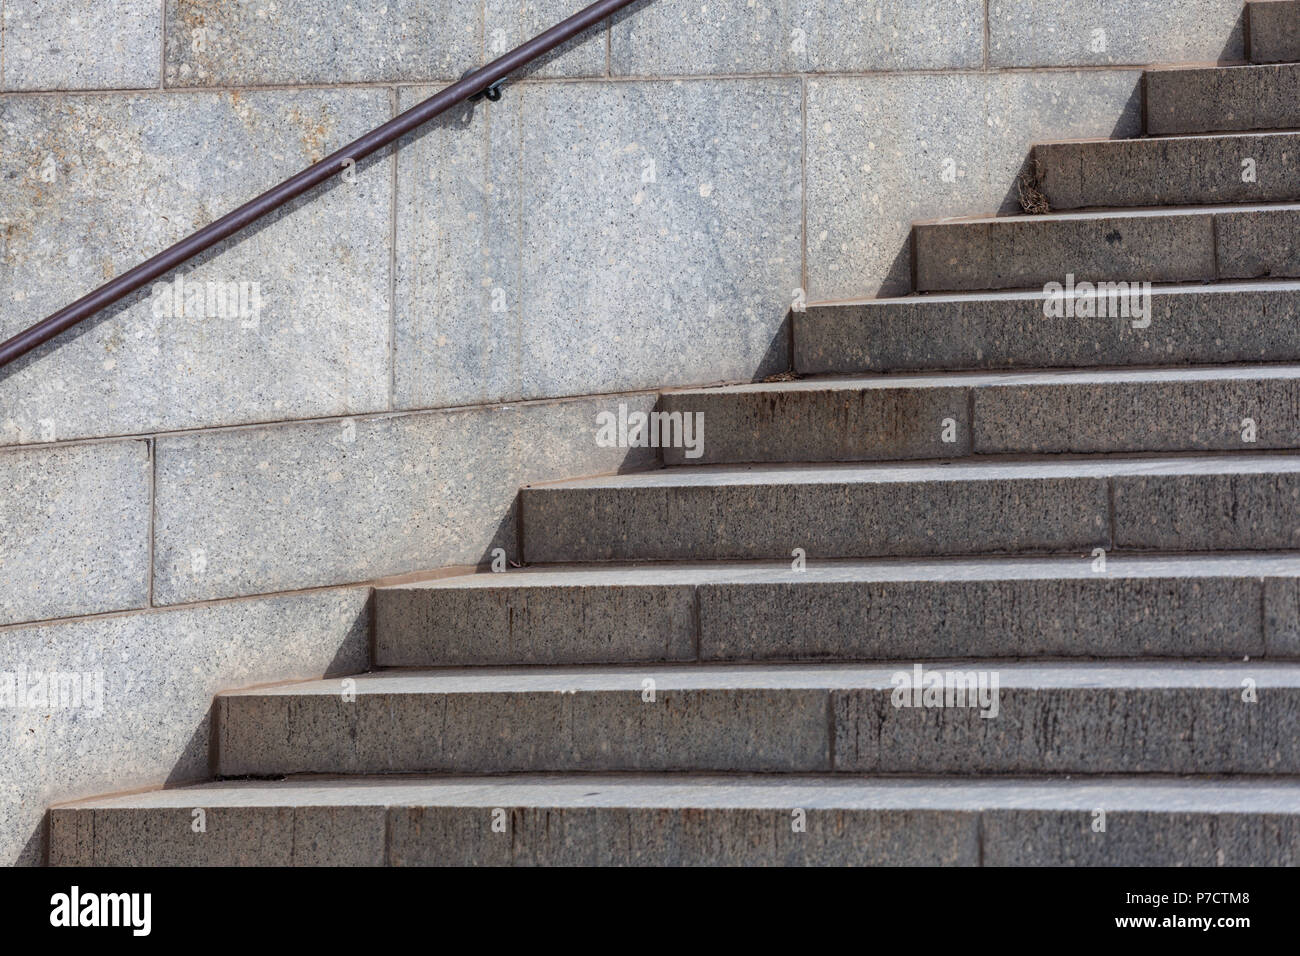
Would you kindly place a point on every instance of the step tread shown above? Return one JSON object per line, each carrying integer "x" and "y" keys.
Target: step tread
{"x": 978, "y": 379}
{"x": 787, "y": 677}
{"x": 1217, "y": 67}
{"x": 1050, "y": 567}
{"x": 1118, "y": 212}
{"x": 1119, "y": 793}
{"x": 1232, "y": 287}
{"x": 956, "y": 470}
{"x": 1159, "y": 141}
{"x": 1193, "y": 325}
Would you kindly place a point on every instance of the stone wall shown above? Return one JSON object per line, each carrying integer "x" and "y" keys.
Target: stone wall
{"x": 195, "y": 498}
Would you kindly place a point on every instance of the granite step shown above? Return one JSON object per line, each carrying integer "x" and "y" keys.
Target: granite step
{"x": 675, "y": 820}
{"x": 1274, "y": 30}
{"x": 762, "y": 512}
{"x": 1173, "y": 244}
{"x": 1222, "y": 98}
{"x": 1171, "y": 170}
{"x": 1198, "y": 324}
{"x": 1175, "y": 606}
{"x": 986, "y": 717}
{"x": 954, "y": 414}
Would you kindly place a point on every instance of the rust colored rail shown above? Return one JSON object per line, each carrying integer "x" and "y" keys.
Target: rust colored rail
{"x": 485, "y": 79}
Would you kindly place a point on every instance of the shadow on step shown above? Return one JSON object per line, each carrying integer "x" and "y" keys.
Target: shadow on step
{"x": 197, "y": 761}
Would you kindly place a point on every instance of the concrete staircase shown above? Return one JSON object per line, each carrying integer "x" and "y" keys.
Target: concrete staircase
{"x": 1094, "y": 520}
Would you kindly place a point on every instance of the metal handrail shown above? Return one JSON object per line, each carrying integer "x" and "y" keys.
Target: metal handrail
{"x": 485, "y": 79}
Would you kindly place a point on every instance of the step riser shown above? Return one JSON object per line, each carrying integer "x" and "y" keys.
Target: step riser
{"x": 1204, "y": 617}
{"x": 234, "y": 836}
{"x": 831, "y": 520}
{"x": 596, "y": 836}
{"x": 1170, "y": 172}
{"x": 1207, "y": 512}
{"x": 1139, "y": 417}
{"x": 1274, "y": 31}
{"x": 887, "y": 424}
{"x": 1031, "y": 838}
{"x": 615, "y": 836}
{"x": 923, "y": 335}
{"x": 841, "y": 425}
{"x": 1223, "y": 100}
{"x": 752, "y": 730}
{"x": 1079, "y": 730}
{"x": 1027, "y": 252}
{"x": 533, "y": 836}
{"x": 443, "y": 627}
{"x": 1096, "y": 616}
{"x": 1035, "y": 730}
